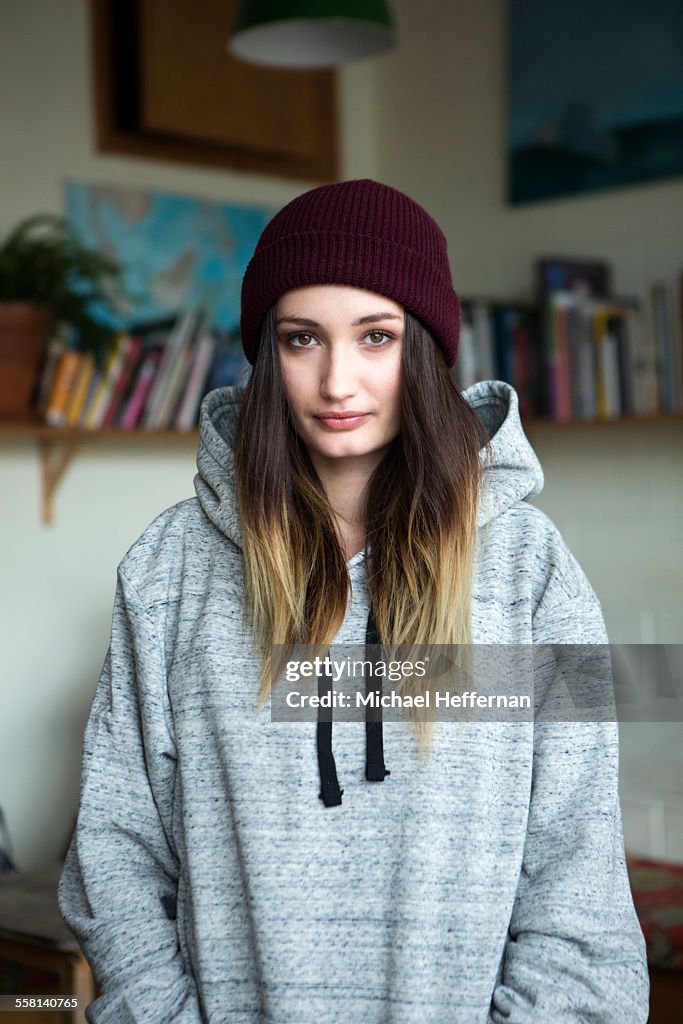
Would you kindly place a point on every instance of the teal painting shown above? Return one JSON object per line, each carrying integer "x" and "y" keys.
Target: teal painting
{"x": 595, "y": 95}
{"x": 177, "y": 252}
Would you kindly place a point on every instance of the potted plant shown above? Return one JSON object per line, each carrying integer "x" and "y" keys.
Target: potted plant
{"x": 49, "y": 280}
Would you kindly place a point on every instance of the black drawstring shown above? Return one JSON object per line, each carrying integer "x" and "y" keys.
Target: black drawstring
{"x": 374, "y": 730}
{"x": 375, "y": 770}
{"x": 330, "y": 793}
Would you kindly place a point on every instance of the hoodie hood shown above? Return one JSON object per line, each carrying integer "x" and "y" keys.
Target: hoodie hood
{"x": 512, "y": 471}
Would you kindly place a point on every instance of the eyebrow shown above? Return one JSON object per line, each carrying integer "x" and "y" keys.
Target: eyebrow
{"x": 373, "y": 318}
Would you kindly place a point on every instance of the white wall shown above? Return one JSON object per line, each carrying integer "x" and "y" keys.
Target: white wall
{"x": 429, "y": 119}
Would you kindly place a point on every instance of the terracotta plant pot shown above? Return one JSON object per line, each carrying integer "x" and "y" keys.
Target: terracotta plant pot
{"x": 22, "y": 343}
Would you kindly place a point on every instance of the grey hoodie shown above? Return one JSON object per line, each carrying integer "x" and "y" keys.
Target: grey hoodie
{"x": 206, "y": 881}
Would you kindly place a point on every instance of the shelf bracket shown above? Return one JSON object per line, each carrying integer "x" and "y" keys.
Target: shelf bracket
{"x": 55, "y": 457}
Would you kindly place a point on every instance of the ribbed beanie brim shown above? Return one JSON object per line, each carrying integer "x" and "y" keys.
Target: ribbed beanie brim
{"x": 360, "y": 233}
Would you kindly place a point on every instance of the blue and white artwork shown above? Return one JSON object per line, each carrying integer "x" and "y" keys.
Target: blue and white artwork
{"x": 177, "y": 252}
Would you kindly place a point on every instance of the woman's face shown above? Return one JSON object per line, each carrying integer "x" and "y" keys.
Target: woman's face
{"x": 340, "y": 353}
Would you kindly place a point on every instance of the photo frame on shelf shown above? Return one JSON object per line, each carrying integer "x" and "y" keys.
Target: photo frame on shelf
{"x": 559, "y": 273}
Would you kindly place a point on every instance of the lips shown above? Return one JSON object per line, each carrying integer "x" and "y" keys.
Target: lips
{"x": 342, "y": 420}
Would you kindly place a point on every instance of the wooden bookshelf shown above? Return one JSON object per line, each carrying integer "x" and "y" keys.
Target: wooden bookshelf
{"x": 59, "y": 445}
{"x": 12, "y": 428}
{"x": 542, "y": 423}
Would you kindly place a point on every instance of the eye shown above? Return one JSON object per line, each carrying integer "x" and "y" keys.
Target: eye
{"x": 384, "y": 338}
{"x": 293, "y": 338}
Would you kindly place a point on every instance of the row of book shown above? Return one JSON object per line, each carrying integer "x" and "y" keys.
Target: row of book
{"x": 153, "y": 379}
{"x": 575, "y": 354}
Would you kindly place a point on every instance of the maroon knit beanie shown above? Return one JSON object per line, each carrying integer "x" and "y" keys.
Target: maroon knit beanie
{"x": 359, "y": 233}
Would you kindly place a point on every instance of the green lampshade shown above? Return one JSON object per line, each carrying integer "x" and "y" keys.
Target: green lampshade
{"x": 310, "y": 33}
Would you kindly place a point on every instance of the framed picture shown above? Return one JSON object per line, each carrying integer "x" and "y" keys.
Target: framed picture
{"x": 177, "y": 252}
{"x": 590, "y": 277}
{"x": 595, "y": 95}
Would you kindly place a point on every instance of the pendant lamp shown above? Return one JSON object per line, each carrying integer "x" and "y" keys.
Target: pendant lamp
{"x": 310, "y": 33}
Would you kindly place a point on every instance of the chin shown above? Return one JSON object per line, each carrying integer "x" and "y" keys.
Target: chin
{"x": 347, "y": 449}
{"x": 342, "y": 451}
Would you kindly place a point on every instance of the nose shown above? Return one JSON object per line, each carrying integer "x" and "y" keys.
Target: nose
{"x": 337, "y": 380}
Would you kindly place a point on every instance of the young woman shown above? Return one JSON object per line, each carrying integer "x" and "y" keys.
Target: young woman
{"x": 229, "y": 868}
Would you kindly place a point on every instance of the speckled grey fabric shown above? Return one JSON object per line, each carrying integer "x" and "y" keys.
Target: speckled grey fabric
{"x": 207, "y": 882}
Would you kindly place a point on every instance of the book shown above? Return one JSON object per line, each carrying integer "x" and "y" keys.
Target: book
{"x": 559, "y": 405}
{"x": 574, "y": 331}
{"x": 79, "y": 390}
{"x": 134, "y": 406}
{"x": 662, "y": 314}
{"x": 465, "y": 369}
{"x": 195, "y": 388}
{"x": 528, "y": 363}
{"x": 182, "y": 329}
{"x": 120, "y": 381}
{"x": 616, "y": 326}
{"x": 92, "y": 390}
{"x": 229, "y": 362}
{"x": 676, "y": 288}
{"x": 483, "y": 330}
{"x": 64, "y": 380}
{"x": 504, "y": 322}
{"x": 46, "y": 377}
{"x": 606, "y": 363}
{"x": 582, "y": 360}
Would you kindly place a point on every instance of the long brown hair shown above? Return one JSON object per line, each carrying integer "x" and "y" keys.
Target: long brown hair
{"x": 420, "y": 514}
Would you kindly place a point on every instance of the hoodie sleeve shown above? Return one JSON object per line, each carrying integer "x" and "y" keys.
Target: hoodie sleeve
{"x": 118, "y": 888}
{"x": 575, "y": 951}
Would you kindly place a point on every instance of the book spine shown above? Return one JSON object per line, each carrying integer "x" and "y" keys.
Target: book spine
{"x": 55, "y": 347}
{"x": 65, "y": 378}
{"x": 95, "y": 381}
{"x": 465, "y": 369}
{"x": 485, "y": 343}
{"x": 586, "y": 363}
{"x": 624, "y": 380}
{"x": 564, "y": 390}
{"x": 80, "y": 389}
{"x": 521, "y": 364}
{"x": 133, "y": 349}
{"x": 183, "y": 327}
{"x": 606, "y": 363}
{"x": 132, "y": 413}
{"x": 189, "y": 405}
{"x": 599, "y": 329}
{"x": 503, "y": 318}
{"x": 574, "y": 330}
{"x": 557, "y": 380}
{"x": 651, "y": 357}
{"x": 635, "y": 361}
{"x": 536, "y": 361}
{"x": 676, "y": 340}
{"x": 661, "y": 329}
{"x": 611, "y": 367}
